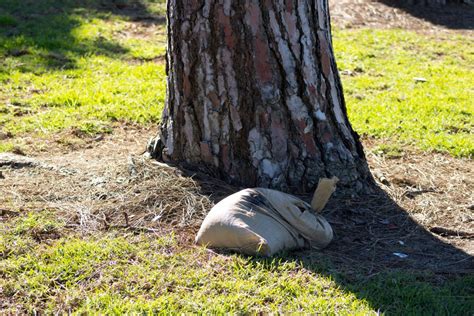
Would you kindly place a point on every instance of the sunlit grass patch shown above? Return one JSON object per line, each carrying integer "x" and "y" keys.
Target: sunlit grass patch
{"x": 75, "y": 98}
{"x": 118, "y": 274}
{"x": 414, "y": 89}
{"x": 6, "y": 146}
{"x": 94, "y": 63}
{"x": 85, "y": 67}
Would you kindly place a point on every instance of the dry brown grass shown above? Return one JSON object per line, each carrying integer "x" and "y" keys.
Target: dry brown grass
{"x": 106, "y": 186}
{"x": 434, "y": 188}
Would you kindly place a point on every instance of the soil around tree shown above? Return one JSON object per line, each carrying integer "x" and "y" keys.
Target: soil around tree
{"x": 398, "y": 14}
{"x": 107, "y": 184}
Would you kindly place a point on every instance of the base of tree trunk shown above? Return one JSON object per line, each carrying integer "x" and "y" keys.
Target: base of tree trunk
{"x": 364, "y": 185}
{"x": 254, "y": 96}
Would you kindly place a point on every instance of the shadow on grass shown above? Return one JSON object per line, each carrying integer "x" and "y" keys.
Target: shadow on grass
{"x": 373, "y": 234}
{"x": 454, "y": 15}
{"x": 38, "y": 34}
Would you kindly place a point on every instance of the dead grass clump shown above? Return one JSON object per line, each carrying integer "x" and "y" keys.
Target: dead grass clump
{"x": 134, "y": 194}
{"x": 106, "y": 185}
{"x": 139, "y": 194}
{"x": 158, "y": 193}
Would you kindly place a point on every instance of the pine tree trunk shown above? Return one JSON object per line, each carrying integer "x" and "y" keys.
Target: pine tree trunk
{"x": 254, "y": 93}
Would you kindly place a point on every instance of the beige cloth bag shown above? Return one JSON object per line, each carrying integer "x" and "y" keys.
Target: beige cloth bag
{"x": 265, "y": 222}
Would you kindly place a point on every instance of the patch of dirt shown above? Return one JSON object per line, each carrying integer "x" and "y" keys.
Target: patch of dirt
{"x": 138, "y": 61}
{"x": 394, "y": 14}
{"x": 105, "y": 183}
{"x": 141, "y": 30}
{"x": 424, "y": 210}
{"x": 435, "y": 188}
{"x": 109, "y": 184}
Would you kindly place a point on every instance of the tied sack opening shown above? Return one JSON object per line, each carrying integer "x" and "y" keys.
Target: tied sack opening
{"x": 265, "y": 222}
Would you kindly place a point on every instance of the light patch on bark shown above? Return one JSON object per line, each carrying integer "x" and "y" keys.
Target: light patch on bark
{"x": 270, "y": 168}
{"x": 297, "y": 108}
{"x": 293, "y": 32}
{"x": 320, "y": 115}
{"x": 225, "y": 130}
{"x": 253, "y": 17}
{"x": 207, "y": 8}
{"x": 256, "y": 146}
{"x": 308, "y": 61}
{"x": 279, "y": 139}
{"x": 286, "y": 57}
{"x": 336, "y": 104}
{"x": 189, "y": 131}
{"x": 220, "y": 83}
{"x": 170, "y": 138}
{"x": 323, "y": 19}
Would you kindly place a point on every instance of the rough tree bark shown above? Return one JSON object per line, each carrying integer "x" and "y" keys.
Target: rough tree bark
{"x": 254, "y": 94}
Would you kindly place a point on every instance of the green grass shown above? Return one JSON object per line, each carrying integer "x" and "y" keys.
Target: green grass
{"x": 84, "y": 64}
{"x": 7, "y": 20}
{"x": 119, "y": 272}
{"x": 386, "y": 100}
{"x": 79, "y": 65}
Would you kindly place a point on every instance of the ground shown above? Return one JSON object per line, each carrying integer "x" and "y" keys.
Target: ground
{"x": 88, "y": 224}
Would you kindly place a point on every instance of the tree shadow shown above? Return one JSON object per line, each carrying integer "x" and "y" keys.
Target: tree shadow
{"x": 384, "y": 256}
{"x": 454, "y": 15}
{"x": 381, "y": 255}
{"x": 37, "y": 34}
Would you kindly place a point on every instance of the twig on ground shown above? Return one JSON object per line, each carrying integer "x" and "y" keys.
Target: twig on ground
{"x": 445, "y": 232}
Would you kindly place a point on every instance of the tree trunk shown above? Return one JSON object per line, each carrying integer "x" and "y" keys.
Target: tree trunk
{"x": 254, "y": 94}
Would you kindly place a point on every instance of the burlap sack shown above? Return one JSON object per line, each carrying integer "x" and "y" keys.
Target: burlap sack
{"x": 265, "y": 222}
